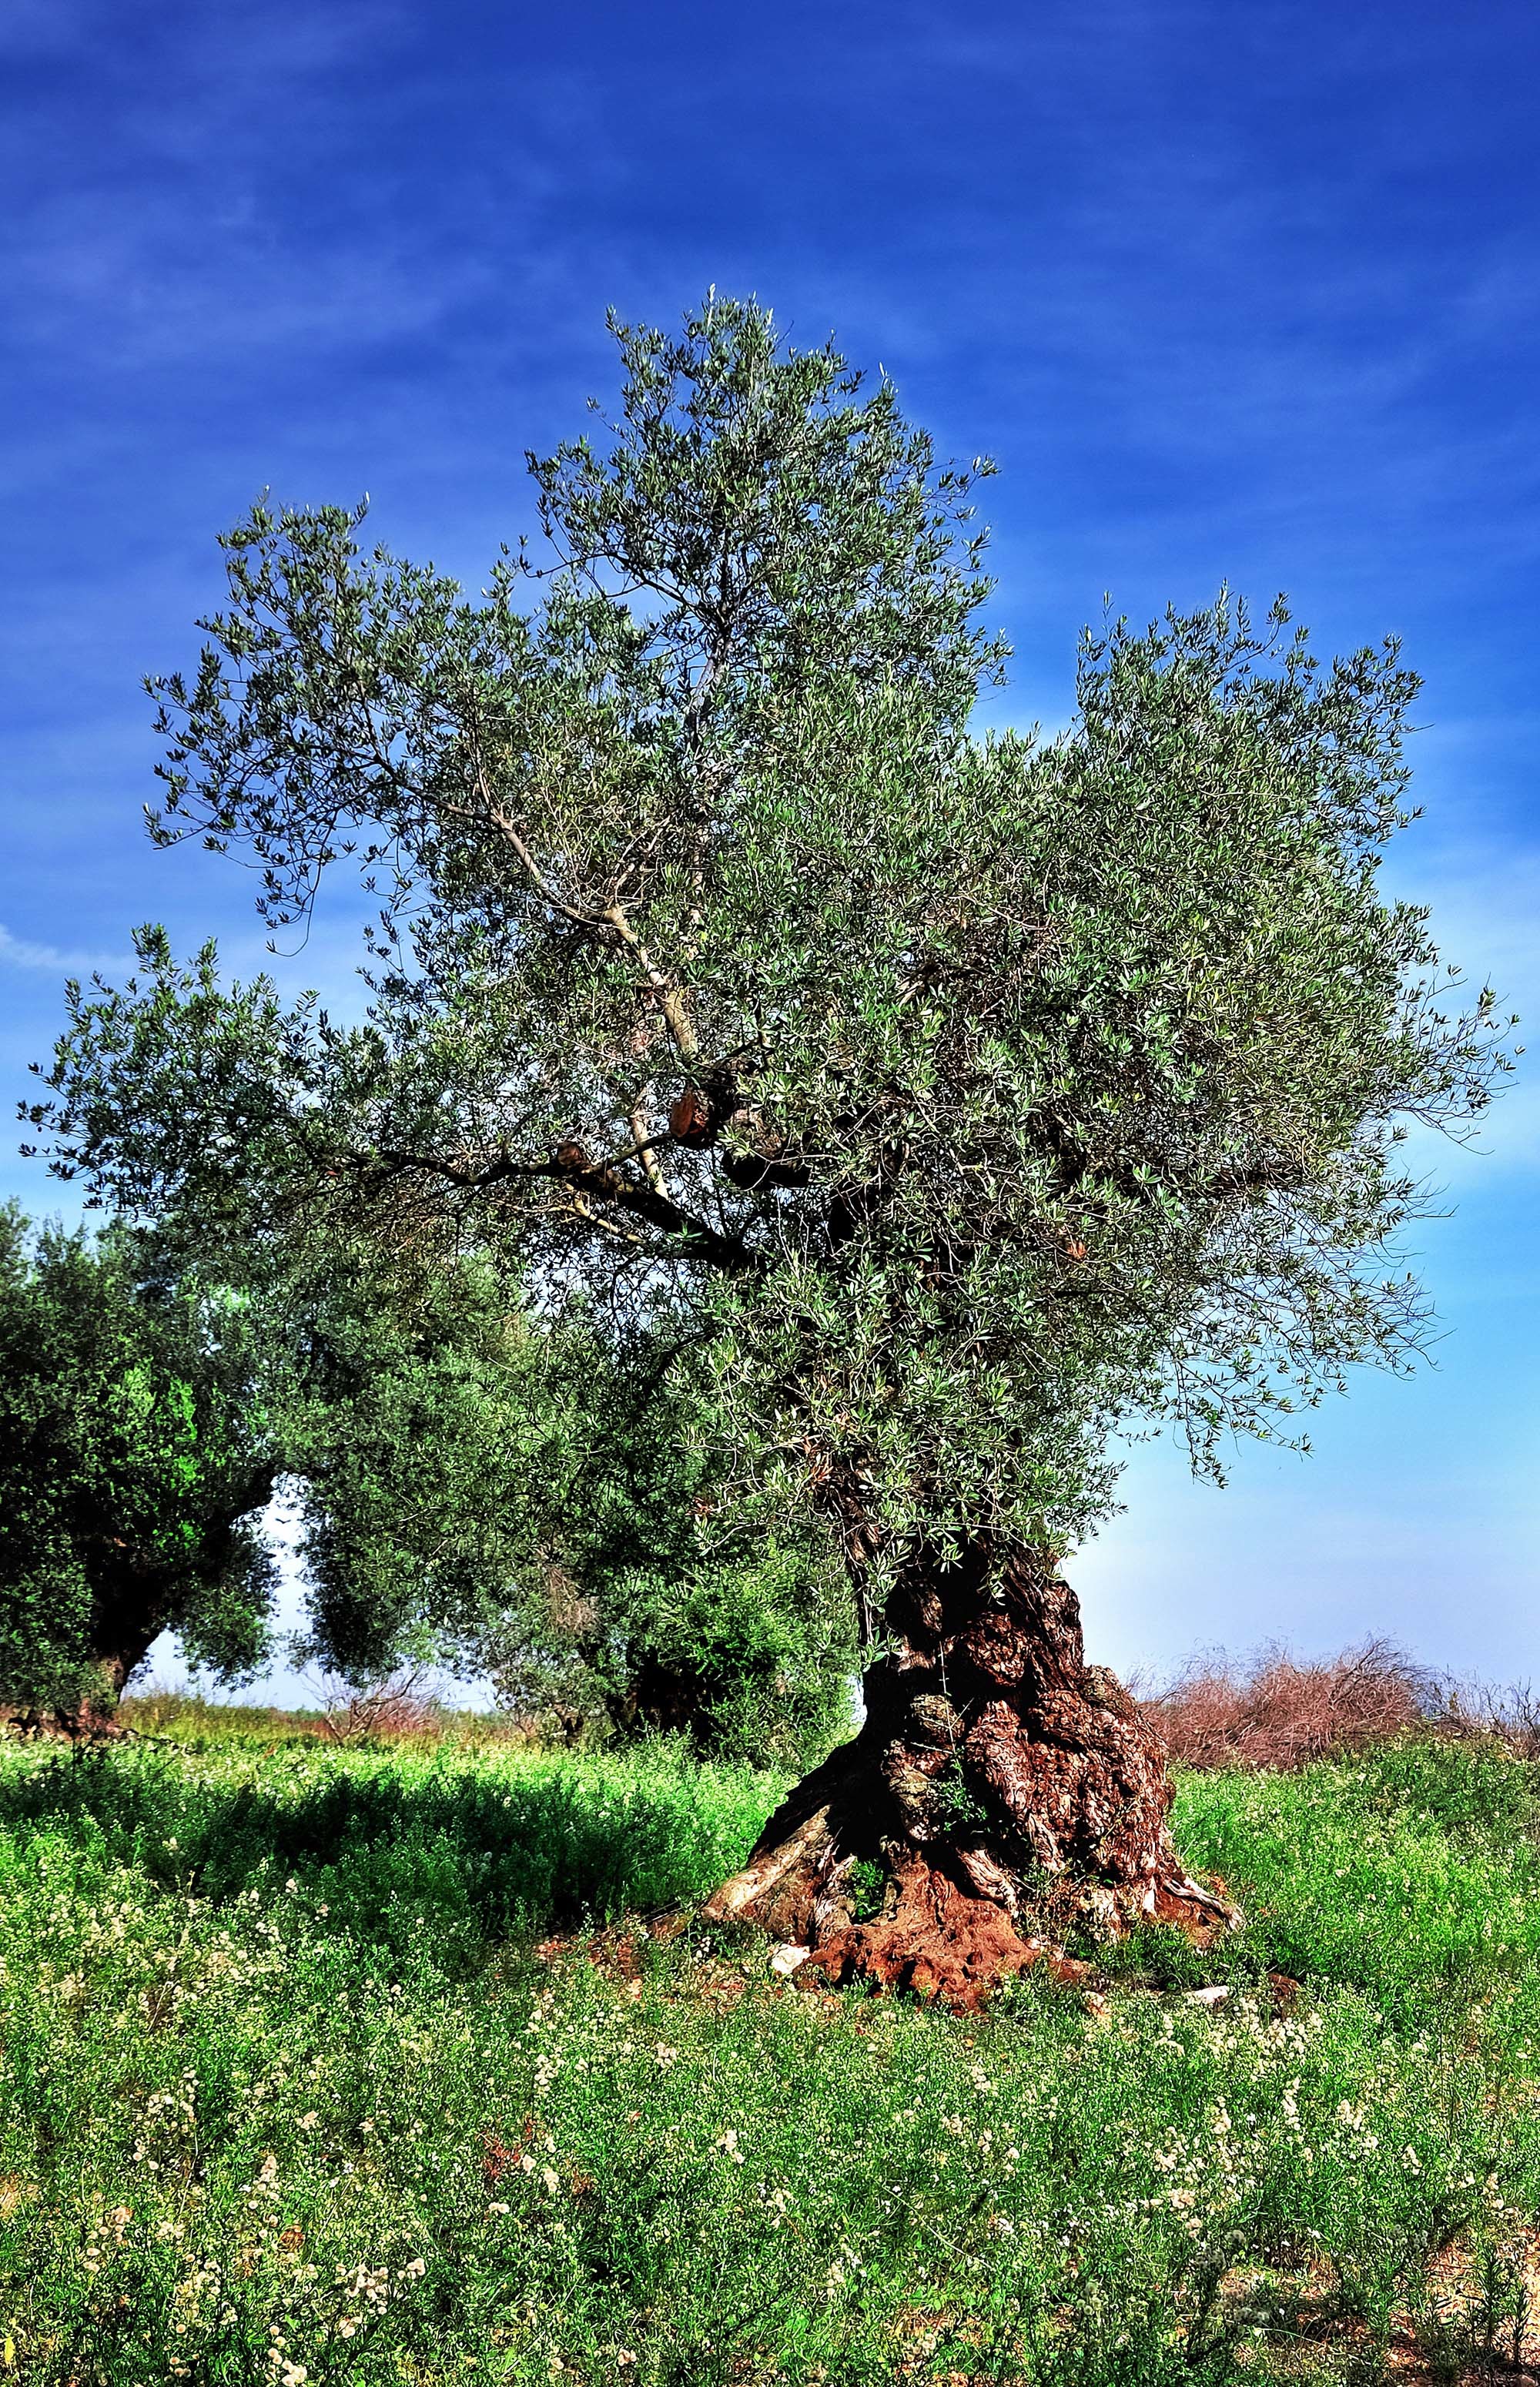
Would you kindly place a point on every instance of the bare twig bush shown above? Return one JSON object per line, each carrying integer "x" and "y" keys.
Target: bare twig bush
{"x": 1508, "y": 1712}
{"x": 1275, "y": 1712}
{"x": 399, "y": 1706}
{"x": 1278, "y": 1711}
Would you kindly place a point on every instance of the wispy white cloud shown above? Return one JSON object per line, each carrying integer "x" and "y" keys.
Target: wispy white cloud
{"x": 23, "y": 953}
{"x": 182, "y": 245}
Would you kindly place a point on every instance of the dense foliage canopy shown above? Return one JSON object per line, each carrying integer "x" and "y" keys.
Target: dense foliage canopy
{"x": 961, "y": 1094}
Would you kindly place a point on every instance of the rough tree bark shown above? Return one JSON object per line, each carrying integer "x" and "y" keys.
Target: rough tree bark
{"x": 1000, "y": 1794}
{"x": 119, "y": 1646}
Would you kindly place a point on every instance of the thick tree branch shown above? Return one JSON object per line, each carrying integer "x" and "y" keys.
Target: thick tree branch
{"x": 647, "y": 1152}
{"x": 613, "y": 918}
{"x": 594, "y": 1181}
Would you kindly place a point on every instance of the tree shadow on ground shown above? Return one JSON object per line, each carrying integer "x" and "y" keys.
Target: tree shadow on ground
{"x": 491, "y": 1854}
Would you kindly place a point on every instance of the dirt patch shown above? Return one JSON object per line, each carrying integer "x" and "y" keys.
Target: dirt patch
{"x": 938, "y": 1943}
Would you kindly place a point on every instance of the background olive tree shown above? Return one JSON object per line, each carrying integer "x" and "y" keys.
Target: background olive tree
{"x": 465, "y": 1486}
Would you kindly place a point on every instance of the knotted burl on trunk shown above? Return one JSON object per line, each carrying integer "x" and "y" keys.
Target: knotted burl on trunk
{"x": 999, "y": 1794}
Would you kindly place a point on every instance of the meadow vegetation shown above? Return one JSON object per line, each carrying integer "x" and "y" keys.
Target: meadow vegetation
{"x": 329, "y": 2063}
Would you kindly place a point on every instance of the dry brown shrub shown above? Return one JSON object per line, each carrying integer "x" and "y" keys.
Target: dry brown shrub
{"x": 1278, "y": 1712}
{"x": 399, "y": 1708}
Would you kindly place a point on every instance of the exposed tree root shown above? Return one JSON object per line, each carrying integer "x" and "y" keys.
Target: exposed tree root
{"x": 1000, "y": 1797}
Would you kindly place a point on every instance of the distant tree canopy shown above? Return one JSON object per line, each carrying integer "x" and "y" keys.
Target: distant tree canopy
{"x": 134, "y": 1463}
{"x": 962, "y": 1094}
{"x": 466, "y": 1484}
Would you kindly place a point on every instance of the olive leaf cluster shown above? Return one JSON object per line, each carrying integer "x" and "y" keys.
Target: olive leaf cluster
{"x": 971, "y": 1095}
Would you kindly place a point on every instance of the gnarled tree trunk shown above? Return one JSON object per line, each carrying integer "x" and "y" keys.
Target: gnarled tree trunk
{"x": 134, "y": 1599}
{"x": 130, "y": 1610}
{"x": 90, "y": 1713}
{"x": 999, "y": 1793}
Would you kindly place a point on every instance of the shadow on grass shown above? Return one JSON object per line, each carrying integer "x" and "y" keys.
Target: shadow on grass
{"x": 422, "y": 1855}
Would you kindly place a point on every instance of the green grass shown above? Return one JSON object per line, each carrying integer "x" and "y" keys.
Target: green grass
{"x": 288, "y": 2092}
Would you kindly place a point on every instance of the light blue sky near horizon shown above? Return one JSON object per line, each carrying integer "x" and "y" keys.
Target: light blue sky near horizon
{"x": 1246, "y": 295}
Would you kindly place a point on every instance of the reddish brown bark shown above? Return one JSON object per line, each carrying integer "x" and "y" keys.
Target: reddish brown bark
{"x": 1000, "y": 1794}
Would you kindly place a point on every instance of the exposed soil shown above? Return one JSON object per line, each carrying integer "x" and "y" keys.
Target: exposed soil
{"x": 938, "y": 1942}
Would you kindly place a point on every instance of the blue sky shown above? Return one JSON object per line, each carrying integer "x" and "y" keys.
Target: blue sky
{"x": 1248, "y": 293}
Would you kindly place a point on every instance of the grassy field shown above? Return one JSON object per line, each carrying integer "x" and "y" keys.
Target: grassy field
{"x": 290, "y": 2090}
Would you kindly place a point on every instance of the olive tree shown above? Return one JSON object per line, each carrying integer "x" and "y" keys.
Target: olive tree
{"x": 150, "y": 1409}
{"x": 968, "y": 1096}
{"x": 134, "y": 1471}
